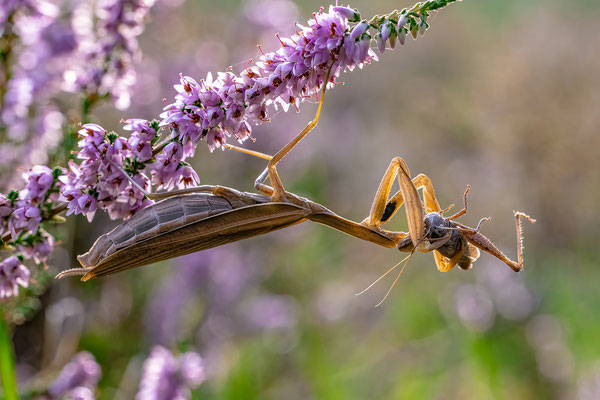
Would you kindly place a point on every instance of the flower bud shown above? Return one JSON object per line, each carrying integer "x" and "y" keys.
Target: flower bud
{"x": 359, "y": 29}
{"x": 414, "y": 30}
{"x": 402, "y": 21}
{"x": 386, "y": 30}
{"x": 402, "y": 35}
{"x": 392, "y": 40}
{"x": 380, "y": 43}
{"x": 351, "y": 14}
{"x": 422, "y": 27}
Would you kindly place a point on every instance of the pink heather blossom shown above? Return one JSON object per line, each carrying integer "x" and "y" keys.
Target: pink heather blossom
{"x": 78, "y": 379}
{"x": 166, "y": 377}
{"x": 39, "y": 250}
{"x": 402, "y": 21}
{"x": 21, "y": 215}
{"x": 192, "y": 369}
{"x": 386, "y": 30}
{"x": 358, "y": 30}
{"x": 97, "y": 182}
{"x": 165, "y": 168}
{"x": 25, "y": 218}
{"x": 5, "y": 207}
{"x": 215, "y": 109}
{"x": 39, "y": 180}
{"x": 141, "y": 139}
{"x": 105, "y": 55}
{"x": 12, "y": 275}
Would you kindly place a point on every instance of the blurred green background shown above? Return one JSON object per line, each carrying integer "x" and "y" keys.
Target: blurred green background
{"x": 501, "y": 95}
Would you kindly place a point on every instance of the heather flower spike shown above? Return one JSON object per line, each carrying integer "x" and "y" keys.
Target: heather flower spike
{"x": 166, "y": 377}
{"x": 12, "y": 275}
{"x": 78, "y": 379}
{"x": 217, "y": 109}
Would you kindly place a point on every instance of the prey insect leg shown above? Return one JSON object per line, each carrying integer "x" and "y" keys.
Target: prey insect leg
{"x": 518, "y": 215}
{"x": 483, "y": 243}
{"x": 464, "y": 210}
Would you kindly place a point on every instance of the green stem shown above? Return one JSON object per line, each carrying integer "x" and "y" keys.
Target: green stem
{"x": 7, "y": 363}
{"x": 420, "y": 7}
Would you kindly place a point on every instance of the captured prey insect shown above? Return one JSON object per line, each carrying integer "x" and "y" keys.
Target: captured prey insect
{"x": 202, "y": 217}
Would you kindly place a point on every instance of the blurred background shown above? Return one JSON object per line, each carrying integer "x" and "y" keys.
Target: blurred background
{"x": 501, "y": 95}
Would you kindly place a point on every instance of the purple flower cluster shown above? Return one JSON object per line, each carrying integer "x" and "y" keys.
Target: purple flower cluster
{"x": 47, "y": 134}
{"x": 78, "y": 379}
{"x": 21, "y": 214}
{"x": 76, "y": 50}
{"x": 97, "y": 182}
{"x": 167, "y": 377}
{"x": 12, "y": 275}
{"x": 44, "y": 47}
{"x": 54, "y": 53}
{"x": 31, "y": 8}
{"x": 230, "y": 104}
{"x": 104, "y": 65}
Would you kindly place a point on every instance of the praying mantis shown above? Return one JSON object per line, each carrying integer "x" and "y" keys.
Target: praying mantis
{"x": 206, "y": 216}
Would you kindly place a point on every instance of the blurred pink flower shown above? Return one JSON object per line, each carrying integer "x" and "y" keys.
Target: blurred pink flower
{"x": 12, "y": 275}
{"x": 165, "y": 377}
{"x": 77, "y": 379}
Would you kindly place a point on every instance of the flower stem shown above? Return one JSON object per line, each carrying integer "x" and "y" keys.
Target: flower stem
{"x": 419, "y": 7}
{"x": 7, "y": 363}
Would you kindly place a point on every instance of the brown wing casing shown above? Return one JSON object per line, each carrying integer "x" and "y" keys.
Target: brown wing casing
{"x": 227, "y": 227}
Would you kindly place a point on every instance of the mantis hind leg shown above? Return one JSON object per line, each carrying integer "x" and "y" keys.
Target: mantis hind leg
{"x": 258, "y": 184}
{"x": 278, "y": 189}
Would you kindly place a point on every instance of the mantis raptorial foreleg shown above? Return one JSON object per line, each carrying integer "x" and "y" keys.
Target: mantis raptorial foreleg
{"x": 383, "y": 209}
{"x": 419, "y": 181}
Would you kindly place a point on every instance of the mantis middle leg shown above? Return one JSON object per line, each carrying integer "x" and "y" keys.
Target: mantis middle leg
{"x": 277, "y": 191}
